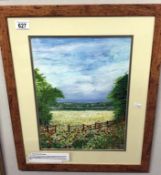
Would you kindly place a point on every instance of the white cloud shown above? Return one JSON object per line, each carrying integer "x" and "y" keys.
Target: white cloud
{"x": 83, "y": 69}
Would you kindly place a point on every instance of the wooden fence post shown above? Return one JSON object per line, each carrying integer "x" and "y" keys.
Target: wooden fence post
{"x": 95, "y": 125}
{"x": 47, "y": 128}
{"x": 55, "y": 127}
{"x": 68, "y": 128}
{"x": 83, "y": 127}
{"x": 107, "y": 123}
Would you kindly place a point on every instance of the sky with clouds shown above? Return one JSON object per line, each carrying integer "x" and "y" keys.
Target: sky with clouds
{"x": 83, "y": 68}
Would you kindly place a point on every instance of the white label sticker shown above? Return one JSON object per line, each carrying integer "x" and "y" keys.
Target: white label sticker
{"x": 137, "y": 105}
{"x": 48, "y": 157}
{"x": 22, "y": 25}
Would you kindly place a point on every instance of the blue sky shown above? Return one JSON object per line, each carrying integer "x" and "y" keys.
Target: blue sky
{"x": 84, "y": 68}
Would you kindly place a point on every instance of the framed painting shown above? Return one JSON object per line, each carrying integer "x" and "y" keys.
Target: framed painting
{"x": 82, "y": 85}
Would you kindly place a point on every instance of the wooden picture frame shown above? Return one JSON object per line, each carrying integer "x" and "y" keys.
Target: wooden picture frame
{"x": 2, "y": 169}
{"x": 75, "y": 11}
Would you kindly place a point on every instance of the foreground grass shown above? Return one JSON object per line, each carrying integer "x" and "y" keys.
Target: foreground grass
{"x": 110, "y": 138}
{"x": 80, "y": 117}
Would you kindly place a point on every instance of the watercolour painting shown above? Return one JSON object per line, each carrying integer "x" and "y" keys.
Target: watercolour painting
{"x": 81, "y": 91}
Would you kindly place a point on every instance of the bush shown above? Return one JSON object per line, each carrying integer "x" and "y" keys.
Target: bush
{"x": 118, "y": 97}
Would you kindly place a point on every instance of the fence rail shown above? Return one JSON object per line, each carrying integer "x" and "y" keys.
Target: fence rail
{"x": 52, "y": 129}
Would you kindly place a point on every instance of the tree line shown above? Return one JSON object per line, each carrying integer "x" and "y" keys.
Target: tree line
{"x": 46, "y": 97}
{"x": 82, "y": 106}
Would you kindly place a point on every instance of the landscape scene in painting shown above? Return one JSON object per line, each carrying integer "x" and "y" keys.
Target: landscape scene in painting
{"x": 81, "y": 91}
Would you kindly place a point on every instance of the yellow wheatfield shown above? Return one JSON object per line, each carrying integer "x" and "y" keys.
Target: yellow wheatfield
{"x": 81, "y": 117}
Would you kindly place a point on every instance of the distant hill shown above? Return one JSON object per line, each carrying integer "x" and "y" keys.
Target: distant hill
{"x": 82, "y": 106}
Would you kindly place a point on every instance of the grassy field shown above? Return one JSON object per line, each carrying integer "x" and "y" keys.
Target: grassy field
{"x": 81, "y": 117}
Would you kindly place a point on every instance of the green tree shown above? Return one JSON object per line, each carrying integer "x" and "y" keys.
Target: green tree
{"x": 118, "y": 97}
{"x": 46, "y": 96}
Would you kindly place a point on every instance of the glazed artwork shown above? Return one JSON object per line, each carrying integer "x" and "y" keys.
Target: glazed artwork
{"x": 81, "y": 91}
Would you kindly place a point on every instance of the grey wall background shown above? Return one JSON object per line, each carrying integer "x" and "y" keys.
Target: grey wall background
{"x": 6, "y": 136}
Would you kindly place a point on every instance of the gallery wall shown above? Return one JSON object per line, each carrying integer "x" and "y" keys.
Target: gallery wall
{"x": 6, "y": 135}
